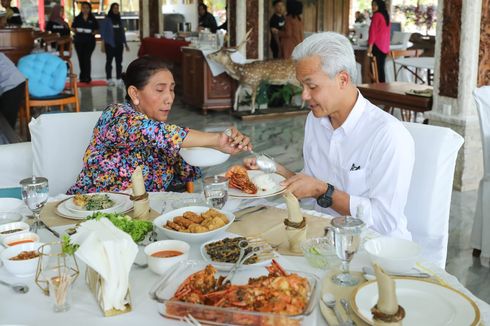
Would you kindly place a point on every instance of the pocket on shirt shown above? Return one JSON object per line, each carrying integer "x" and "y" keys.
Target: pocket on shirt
{"x": 356, "y": 182}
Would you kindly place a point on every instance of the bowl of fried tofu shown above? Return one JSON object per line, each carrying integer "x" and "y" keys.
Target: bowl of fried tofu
{"x": 194, "y": 223}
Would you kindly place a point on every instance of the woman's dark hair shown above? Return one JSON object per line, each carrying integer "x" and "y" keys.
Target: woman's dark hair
{"x": 139, "y": 72}
{"x": 294, "y": 9}
{"x": 86, "y": 3}
{"x": 382, "y": 10}
{"x": 113, "y": 16}
{"x": 203, "y": 6}
{"x": 275, "y": 2}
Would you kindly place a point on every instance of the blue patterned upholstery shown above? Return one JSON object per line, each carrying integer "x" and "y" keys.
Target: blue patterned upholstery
{"x": 46, "y": 73}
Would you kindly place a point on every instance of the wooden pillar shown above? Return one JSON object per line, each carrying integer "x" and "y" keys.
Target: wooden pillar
{"x": 151, "y": 17}
{"x": 484, "y": 56}
{"x": 253, "y": 23}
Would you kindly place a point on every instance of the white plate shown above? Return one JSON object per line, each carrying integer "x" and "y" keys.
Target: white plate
{"x": 160, "y": 221}
{"x": 277, "y": 178}
{"x": 227, "y": 266}
{"x": 424, "y": 302}
{"x": 63, "y": 211}
{"x": 119, "y": 200}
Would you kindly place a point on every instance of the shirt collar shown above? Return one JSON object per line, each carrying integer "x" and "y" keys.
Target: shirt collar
{"x": 352, "y": 119}
{"x": 355, "y": 114}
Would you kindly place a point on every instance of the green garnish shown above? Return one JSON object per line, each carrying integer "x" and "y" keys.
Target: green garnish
{"x": 67, "y": 247}
{"x": 314, "y": 251}
{"x": 137, "y": 229}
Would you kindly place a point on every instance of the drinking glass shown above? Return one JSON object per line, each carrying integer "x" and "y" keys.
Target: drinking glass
{"x": 60, "y": 282}
{"x": 35, "y": 194}
{"x": 346, "y": 237}
{"x": 216, "y": 191}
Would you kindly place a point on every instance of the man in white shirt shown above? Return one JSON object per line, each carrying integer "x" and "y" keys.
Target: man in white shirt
{"x": 355, "y": 154}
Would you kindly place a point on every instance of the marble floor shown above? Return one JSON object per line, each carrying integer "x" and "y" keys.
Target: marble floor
{"x": 283, "y": 139}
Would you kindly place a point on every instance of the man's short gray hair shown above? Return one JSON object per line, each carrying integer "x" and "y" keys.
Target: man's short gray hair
{"x": 335, "y": 52}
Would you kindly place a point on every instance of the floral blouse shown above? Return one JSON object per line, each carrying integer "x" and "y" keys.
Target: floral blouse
{"x": 124, "y": 138}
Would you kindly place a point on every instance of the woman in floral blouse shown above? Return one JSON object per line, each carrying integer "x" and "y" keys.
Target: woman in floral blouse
{"x": 137, "y": 133}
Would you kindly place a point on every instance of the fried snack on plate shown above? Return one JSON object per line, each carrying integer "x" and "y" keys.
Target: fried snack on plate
{"x": 182, "y": 221}
{"x": 80, "y": 200}
{"x": 214, "y": 223}
{"x": 193, "y": 217}
{"x": 196, "y": 228}
{"x": 174, "y": 226}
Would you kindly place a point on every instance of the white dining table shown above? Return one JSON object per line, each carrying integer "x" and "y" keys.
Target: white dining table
{"x": 34, "y": 308}
{"x": 427, "y": 63}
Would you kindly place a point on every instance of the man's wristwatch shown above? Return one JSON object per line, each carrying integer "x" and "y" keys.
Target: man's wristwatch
{"x": 325, "y": 200}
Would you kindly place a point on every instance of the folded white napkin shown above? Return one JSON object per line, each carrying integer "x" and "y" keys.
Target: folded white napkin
{"x": 111, "y": 253}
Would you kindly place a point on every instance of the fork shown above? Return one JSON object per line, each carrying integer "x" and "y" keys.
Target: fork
{"x": 191, "y": 320}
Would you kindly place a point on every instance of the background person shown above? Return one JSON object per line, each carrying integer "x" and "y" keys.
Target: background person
{"x": 379, "y": 36}
{"x": 206, "y": 19}
{"x": 12, "y": 90}
{"x": 56, "y": 23}
{"x": 12, "y": 14}
{"x": 112, "y": 32}
{"x": 85, "y": 27}
{"x": 276, "y": 24}
{"x": 293, "y": 32}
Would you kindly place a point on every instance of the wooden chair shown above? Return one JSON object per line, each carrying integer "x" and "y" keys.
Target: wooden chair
{"x": 395, "y": 54}
{"x": 68, "y": 96}
{"x": 373, "y": 72}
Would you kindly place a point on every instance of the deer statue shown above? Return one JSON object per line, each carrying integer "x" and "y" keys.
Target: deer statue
{"x": 275, "y": 72}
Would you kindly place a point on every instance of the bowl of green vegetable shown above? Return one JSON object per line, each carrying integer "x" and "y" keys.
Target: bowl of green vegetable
{"x": 319, "y": 252}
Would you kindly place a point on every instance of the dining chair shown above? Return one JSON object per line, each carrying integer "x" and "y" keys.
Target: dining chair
{"x": 59, "y": 141}
{"x": 429, "y": 196}
{"x": 45, "y": 84}
{"x": 15, "y": 164}
{"x": 373, "y": 71}
{"x": 480, "y": 235}
{"x": 395, "y": 54}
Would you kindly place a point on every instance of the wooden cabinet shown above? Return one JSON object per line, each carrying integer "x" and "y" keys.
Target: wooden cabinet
{"x": 16, "y": 42}
{"x": 200, "y": 88}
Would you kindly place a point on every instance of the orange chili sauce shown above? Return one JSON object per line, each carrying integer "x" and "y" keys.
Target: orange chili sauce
{"x": 20, "y": 242}
{"x": 166, "y": 253}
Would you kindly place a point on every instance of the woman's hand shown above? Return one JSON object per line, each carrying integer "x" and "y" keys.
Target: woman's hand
{"x": 233, "y": 142}
{"x": 126, "y": 46}
{"x": 369, "y": 51}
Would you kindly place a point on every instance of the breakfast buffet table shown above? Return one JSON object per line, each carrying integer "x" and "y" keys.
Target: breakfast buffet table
{"x": 34, "y": 308}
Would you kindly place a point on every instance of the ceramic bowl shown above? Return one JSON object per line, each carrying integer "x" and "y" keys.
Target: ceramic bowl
{"x": 17, "y": 239}
{"x": 160, "y": 221}
{"x": 6, "y": 229}
{"x": 161, "y": 265}
{"x": 203, "y": 156}
{"x": 10, "y": 204}
{"x": 10, "y": 217}
{"x": 21, "y": 268}
{"x": 392, "y": 254}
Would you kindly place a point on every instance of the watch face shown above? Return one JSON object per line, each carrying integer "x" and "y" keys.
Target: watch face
{"x": 324, "y": 202}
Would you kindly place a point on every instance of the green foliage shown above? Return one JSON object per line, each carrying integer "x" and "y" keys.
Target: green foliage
{"x": 137, "y": 229}
{"x": 66, "y": 246}
{"x": 286, "y": 93}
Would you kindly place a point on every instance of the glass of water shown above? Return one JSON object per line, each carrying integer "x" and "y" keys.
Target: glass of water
{"x": 35, "y": 193}
{"x": 346, "y": 238}
{"x": 216, "y": 191}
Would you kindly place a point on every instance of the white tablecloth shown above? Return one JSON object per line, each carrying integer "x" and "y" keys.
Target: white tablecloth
{"x": 34, "y": 308}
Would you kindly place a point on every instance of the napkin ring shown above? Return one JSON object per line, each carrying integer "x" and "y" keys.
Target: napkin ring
{"x": 295, "y": 225}
{"x": 394, "y": 318}
{"x": 140, "y": 197}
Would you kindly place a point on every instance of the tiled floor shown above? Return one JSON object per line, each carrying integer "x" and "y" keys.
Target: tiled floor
{"x": 283, "y": 139}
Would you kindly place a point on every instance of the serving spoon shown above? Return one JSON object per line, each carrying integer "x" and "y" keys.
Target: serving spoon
{"x": 18, "y": 287}
{"x": 263, "y": 161}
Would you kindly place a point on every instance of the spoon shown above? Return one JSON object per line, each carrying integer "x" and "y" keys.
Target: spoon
{"x": 346, "y": 306}
{"x": 263, "y": 161}
{"x": 329, "y": 300}
{"x": 18, "y": 288}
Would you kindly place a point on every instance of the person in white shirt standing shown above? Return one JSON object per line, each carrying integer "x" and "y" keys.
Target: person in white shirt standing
{"x": 357, "y": 157}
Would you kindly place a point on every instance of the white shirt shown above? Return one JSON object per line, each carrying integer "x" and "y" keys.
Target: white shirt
{"x": 370, "y": 157}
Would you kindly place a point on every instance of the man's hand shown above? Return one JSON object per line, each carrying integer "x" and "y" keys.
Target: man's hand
{"x": 305, "y": 186}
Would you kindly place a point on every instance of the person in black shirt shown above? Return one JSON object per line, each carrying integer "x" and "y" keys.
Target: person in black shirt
{"x": 56, "y": 23}
{"x": 12, "y": 13}
{"x": 276, "y": 23}
{"x": 112, "y": 32}
{"x": 85, "y": 26}
{"x": 206, "y": 20}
